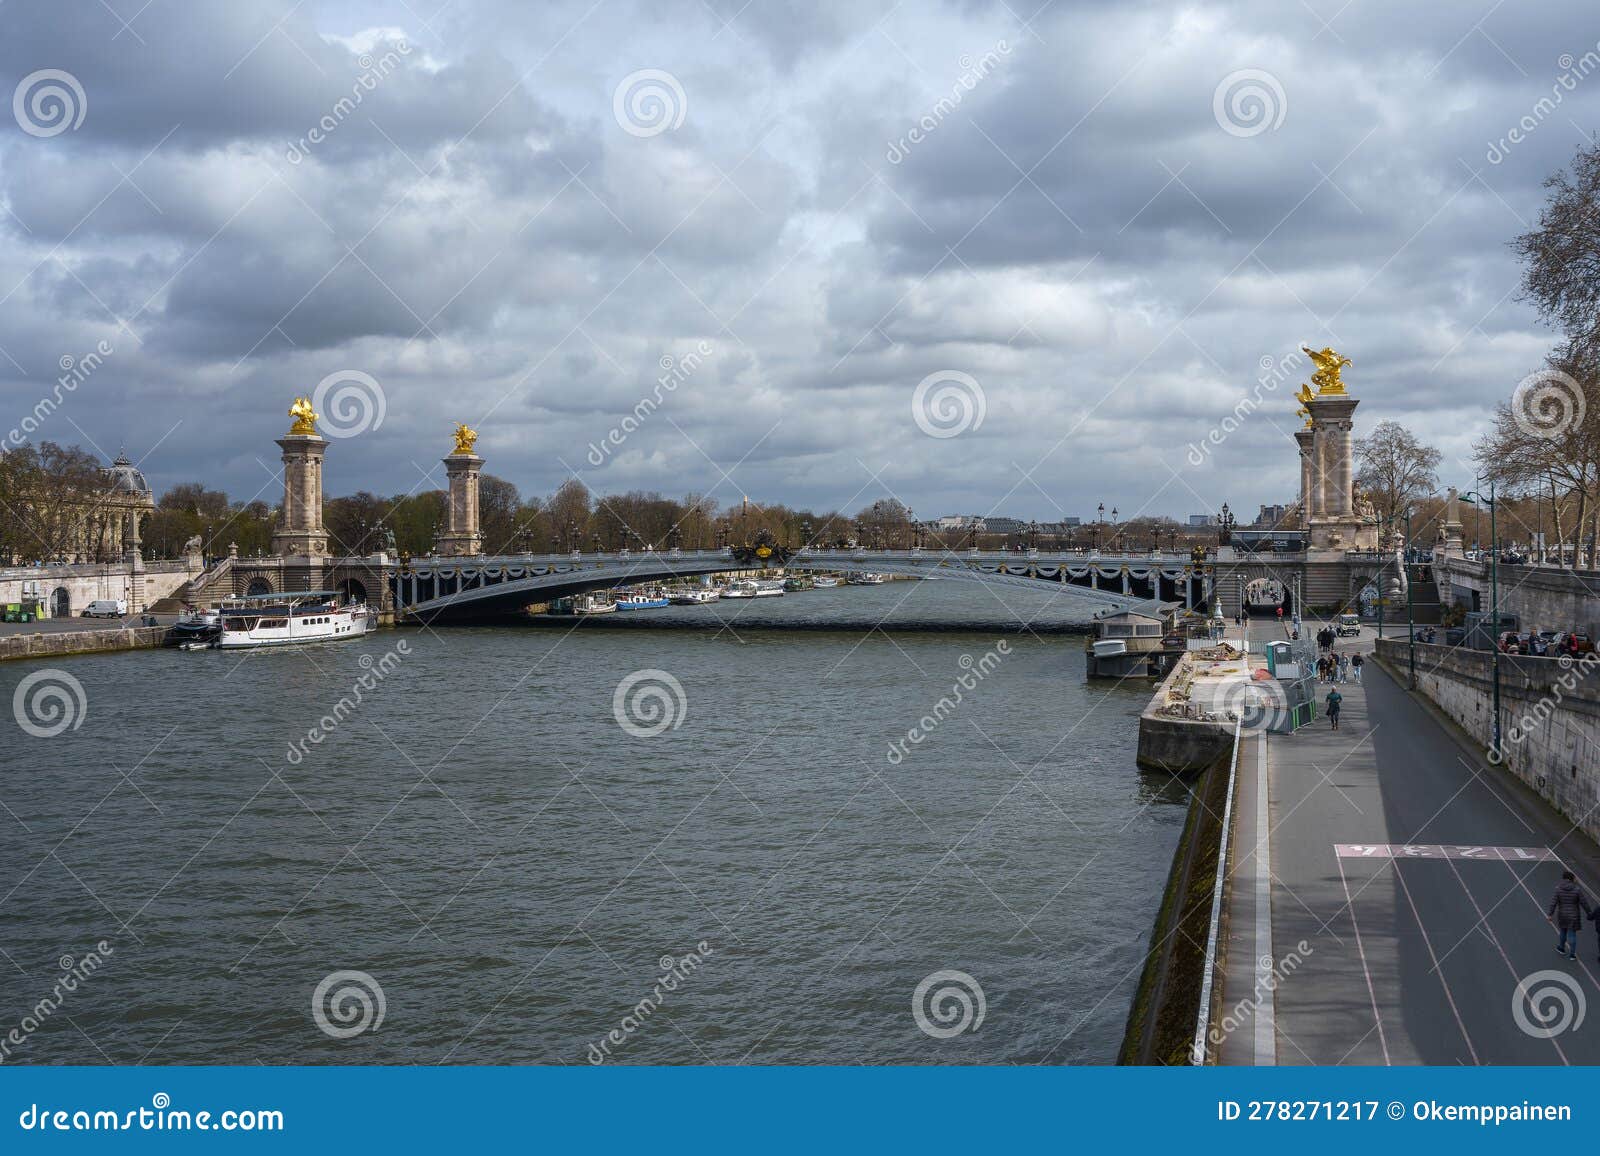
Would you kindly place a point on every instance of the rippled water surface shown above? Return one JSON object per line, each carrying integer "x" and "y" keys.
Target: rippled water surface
{"x": 512, "y": 867}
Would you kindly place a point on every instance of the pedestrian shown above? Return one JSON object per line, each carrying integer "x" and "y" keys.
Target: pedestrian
{"x": 1344, "y": 668}
{"x": 1355, "y": 665}
{"x": 1566, "y": 910}
{"x": 1335, "y": 700}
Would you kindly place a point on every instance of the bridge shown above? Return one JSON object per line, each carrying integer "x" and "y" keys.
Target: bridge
{"x": 484, "y": 587}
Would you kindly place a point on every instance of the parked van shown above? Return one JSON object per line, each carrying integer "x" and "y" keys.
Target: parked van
{"x": 1347, "y": 625}
{"x": 106, "y": 608}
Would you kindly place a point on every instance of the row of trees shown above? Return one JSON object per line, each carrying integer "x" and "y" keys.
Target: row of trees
{"x": 1543, "y": 450}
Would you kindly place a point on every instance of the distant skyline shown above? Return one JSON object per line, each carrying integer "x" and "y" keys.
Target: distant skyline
{"x": 978, "y": 260}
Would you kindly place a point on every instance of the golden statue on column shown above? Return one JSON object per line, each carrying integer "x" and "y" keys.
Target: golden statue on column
{"x": 305, "y": 418}
{"x": 466, "y": 438}
{"x": 1329, "y": 364}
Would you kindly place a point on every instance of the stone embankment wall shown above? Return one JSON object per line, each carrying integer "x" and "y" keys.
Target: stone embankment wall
{"x": 87, "y": 582}
{"x": 1538, "y": 597}
{"x": 46, "y": 644}
{"x": 1549, "y": 717}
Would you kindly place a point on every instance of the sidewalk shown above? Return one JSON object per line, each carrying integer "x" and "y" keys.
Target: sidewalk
{"x": 1409, "y": 944}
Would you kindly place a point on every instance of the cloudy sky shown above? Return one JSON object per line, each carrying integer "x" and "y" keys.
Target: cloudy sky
{"x": 1090, "y": 223}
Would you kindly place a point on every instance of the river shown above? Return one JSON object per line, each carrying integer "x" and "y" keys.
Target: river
{"x": 497, "y": 842}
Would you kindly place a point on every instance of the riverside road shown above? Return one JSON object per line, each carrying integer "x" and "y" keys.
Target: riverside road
{"x": 1417, "y": 877}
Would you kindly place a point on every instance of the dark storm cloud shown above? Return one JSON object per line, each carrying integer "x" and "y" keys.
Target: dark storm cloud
{"x": 1073, "y": 228}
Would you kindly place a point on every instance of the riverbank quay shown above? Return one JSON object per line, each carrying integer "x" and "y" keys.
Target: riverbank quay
{"x": 1190, "y": 721}
{"x": 340, "y": 1108}
{"x": 1406, "y": 880}
{"x": 32, "y": 642}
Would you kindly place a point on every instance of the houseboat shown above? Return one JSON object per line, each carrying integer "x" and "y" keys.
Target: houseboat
{"x": 1135, "y": 643}
{"x": 294, "y": 618}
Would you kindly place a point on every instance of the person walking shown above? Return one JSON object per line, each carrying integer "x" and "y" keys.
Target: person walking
{"x": 1335, "y": 700}
{"x": 1355, "y": 665}
{"x": 1566, "y": 910}
{"x": 1344, "y": 668}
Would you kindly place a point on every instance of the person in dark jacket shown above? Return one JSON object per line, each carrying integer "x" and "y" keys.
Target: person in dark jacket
{"x": 1567, "y": 906}
{"x": 1335, "y": 700}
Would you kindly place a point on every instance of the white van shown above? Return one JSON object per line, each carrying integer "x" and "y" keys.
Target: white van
{"x": 1347, "y": 625}
{"x": 106, "y": 608}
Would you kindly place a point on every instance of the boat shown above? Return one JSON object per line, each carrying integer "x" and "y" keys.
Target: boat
{"x": 208, "y": 645}
{"x": 865, "y": 578}
{"x": 294, "y": 618}
{"x": 587, "y": 604}
{"x": 640, "y": 600}
{"x": 738, "y": 590}
{"x": 694, "y": 596}
{"x": 825, "y": 582}
{"x": 1135, "y": 643}
{"x": 793, "y": 584}
{"x": 197, "y": 625}
{"x": 769, "y": 587}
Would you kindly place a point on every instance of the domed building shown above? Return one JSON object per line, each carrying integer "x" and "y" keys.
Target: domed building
{"x": 109, "y": 528}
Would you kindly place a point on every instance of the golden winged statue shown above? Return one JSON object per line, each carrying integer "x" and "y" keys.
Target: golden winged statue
{"x": 1328, "y": 363}
{"x": 305, "y": 418}
{"x": 466, "y": 438}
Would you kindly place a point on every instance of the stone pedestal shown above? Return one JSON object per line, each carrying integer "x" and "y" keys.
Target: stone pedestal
{"x": 1334, "y": 523}
{"x": 300, "y": 529}
{"x": 1308, "y": 504}
{"x": 462, "y": 536}
{"x": 1450, "y": 532}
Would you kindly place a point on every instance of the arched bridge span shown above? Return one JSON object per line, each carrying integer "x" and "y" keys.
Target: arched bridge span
{"x": 495, "y": 587}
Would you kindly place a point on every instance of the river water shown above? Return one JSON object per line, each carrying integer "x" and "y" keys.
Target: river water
{"x": 497, "y": 842}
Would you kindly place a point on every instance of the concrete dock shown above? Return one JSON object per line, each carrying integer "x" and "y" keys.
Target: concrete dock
{"x": 1394, "y": 913}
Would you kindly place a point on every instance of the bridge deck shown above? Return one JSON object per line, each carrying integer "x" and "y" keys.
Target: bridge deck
{"x": 1420, "y": 932}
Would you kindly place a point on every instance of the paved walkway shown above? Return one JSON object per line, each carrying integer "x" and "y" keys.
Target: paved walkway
{"x": 1409, "y": 944}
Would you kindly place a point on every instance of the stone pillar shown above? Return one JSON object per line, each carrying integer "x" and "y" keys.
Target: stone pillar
{"x": 300, "y": 531}
{"x": 462, "y": 536}
{"x": 1303, "y": 438}
{"x": 1334, "y": 522}
{"x": 1451, "y": 530}
{"x": 135, "y": 565}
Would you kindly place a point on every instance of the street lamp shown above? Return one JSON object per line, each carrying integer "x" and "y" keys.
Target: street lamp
{"x": 1494, "y": 600}
{"x": 1226, "y": 536}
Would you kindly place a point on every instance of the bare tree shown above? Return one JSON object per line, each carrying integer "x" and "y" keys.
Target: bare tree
{"x": 1395, "y": 468}
{"x": 1561, "y": 258}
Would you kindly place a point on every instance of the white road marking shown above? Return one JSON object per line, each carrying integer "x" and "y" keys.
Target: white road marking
{"x": 1266, "y": 1031}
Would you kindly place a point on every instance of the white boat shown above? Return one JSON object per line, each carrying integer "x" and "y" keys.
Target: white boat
{"x": 695, "y": 596}
{"x": 295, "y": 618}
{"x": 769, "y": 587}
{"x": 640, "y": 600}
{"x": 586, "y": 604}
{"x": 738, "y": 590}
{"x": 865, "y": 578}
{"x": 826, "y": 582}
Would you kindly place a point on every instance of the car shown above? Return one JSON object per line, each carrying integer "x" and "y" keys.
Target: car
{"x": 106, "y": 608}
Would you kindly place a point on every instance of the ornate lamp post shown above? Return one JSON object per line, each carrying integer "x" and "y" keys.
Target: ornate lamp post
{"x": 1494, "y": 599}
{"x": 1225, "y": 533}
